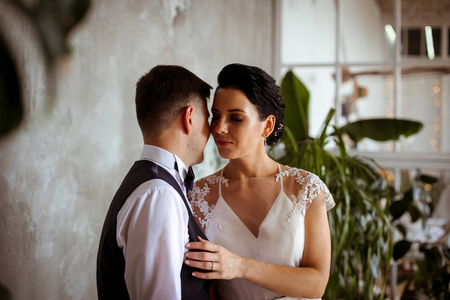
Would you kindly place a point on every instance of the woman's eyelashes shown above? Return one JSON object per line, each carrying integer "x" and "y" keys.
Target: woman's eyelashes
{"x": 231, "y": 118}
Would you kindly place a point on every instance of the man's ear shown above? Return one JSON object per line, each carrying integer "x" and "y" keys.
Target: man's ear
{"x": 269, "y": 125}
{"x": 188, "y": 118}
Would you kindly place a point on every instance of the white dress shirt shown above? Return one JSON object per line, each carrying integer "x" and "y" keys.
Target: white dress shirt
{"x": 152, "y": 230}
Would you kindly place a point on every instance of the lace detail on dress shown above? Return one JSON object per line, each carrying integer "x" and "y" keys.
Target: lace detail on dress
{"x": 287, "y": 173}
{"x": 197, "y": 199}
{"x": 311, "y": 186}
{"x": 213, "y": 179}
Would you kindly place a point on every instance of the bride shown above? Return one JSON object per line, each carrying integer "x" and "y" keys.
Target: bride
{"x": 267, "y": 223}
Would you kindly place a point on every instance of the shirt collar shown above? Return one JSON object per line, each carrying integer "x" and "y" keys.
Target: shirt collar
{"x": 163, "y": 157}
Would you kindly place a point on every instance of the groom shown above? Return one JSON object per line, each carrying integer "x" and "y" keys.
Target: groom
{"x": 149, "y": 222}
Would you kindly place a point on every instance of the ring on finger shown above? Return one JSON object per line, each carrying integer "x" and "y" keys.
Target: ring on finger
{"x": 212, "y": 266}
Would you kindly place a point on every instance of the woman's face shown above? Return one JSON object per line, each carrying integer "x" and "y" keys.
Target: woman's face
{"x": 236, "y": 127}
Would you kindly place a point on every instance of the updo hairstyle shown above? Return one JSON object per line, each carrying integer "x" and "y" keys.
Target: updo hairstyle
{"x": 262, "y": 91}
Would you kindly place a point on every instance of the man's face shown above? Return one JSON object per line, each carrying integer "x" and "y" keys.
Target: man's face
{"x": 201, "y": 131}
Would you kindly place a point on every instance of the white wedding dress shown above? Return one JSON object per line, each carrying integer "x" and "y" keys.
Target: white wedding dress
{"x": 280, "y": 239}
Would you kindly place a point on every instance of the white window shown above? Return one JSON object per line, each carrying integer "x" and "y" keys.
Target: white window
{"x": 350, "y": 57}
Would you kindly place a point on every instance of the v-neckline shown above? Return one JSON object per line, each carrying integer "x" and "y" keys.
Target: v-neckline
{"x": 268, "y": 212}
{"x": 280, "y": 194}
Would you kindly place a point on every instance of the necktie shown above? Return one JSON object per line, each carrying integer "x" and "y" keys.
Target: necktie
{"x": 190, "y": 178}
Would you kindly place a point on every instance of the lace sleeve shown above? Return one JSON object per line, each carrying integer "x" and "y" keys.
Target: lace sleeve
{"x": 203, "y": 209}
{"x": 310, "y": 188}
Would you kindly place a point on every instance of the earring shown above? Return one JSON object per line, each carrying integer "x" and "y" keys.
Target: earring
{"x": 279, "y": 128}
{"x": 265, "y": 141}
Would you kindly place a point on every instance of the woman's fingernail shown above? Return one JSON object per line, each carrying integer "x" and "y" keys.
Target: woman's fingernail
{"x": 188, "y": 262}
{"x": 186, "y": 254}
{"x": 194, "y": 274}
{"x": 188, "y": 245}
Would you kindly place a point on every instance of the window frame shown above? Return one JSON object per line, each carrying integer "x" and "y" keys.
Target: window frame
{"x": 394, "y": 159}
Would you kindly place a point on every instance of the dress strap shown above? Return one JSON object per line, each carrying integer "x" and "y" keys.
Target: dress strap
{"x": 281, "y": 177}
{"x": 220, "y": 184}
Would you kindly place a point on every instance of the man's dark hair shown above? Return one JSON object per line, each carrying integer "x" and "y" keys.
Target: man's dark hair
{"x": 261, "y": 89}
{"x": 163, "y": 93}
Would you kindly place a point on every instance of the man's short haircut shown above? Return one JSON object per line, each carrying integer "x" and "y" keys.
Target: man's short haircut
{"x": 163, "y": 93}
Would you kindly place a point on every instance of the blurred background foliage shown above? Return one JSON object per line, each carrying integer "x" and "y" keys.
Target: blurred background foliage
{"x": 52, "y": 20}
{"x": 428, "y": 258}
{"x": 361, "y": 232}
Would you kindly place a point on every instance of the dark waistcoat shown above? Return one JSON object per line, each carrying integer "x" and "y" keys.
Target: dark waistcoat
{"x": 110, "y": 259}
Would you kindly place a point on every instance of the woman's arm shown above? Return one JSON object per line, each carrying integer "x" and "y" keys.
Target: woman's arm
{"x": 308, "y": 281}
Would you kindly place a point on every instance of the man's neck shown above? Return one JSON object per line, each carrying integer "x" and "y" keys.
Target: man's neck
{"x": 173, "y": 145}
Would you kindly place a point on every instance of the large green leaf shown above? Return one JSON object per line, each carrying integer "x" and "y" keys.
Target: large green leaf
{"x": 434, "y": 256}
{"x": 428, "y": 179}
{"x": 360, "y": 228}
{"x": 11, "y": 108}
{"x": 414, "y": 212}
{"x": 53, "y": 20}
{"x": 4, "y": 293}
{"x": 399, "y": 207}
{"x": 401, "y": 248}
{"x": 381, "y": 130}
{"x": 296, "y": 99}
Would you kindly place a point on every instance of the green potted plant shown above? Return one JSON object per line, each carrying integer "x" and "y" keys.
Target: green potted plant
{"x": 360, "y": 228}
{"x": 430, "y": 278}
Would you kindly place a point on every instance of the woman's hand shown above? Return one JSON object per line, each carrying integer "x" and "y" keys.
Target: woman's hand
{"x": 220, "y": 262}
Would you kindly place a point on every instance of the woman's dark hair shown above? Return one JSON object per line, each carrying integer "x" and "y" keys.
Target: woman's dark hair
{"x": 261, "y": 89}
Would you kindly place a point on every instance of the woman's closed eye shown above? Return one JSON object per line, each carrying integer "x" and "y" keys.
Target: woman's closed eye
{"x": 214, "y": 117}
{"x": 232, "y": 118}
{"x": 236, "y": 117}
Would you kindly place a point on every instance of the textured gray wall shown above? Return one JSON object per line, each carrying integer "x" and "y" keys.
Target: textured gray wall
{"x": 60, "y": 169}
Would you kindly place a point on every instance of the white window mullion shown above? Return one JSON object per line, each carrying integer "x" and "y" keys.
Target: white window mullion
{"x": 338, "y": 101}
